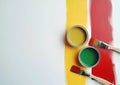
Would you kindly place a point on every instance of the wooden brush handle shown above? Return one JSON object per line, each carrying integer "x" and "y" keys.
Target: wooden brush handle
{"x": 100, "y": 80}
{"x": 114, "y": 49}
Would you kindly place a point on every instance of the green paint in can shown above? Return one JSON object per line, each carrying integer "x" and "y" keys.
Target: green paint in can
{"x": 89, "y": 56}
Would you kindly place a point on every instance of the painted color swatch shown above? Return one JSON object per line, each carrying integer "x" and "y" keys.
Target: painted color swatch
{"x": 102, "y": 30}
{"x": 76, "y": 15}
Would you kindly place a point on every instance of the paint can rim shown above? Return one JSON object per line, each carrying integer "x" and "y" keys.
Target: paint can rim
{"x": 85, "y": 31}
{"x": 81, "y": 62}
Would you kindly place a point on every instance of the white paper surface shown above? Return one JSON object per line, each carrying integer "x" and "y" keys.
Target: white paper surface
{"x": 32, "y": 42}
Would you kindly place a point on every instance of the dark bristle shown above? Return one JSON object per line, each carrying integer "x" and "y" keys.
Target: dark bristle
{"x": 103, "y": 45}
{"x": 75, "y": 69}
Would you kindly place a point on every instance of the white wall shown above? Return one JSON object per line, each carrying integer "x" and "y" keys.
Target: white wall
{"x": 31, "y": 42}
{"x": 116, "y": 36}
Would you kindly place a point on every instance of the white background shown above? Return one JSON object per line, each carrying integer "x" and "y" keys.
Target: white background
{"x": 31, "y": 42}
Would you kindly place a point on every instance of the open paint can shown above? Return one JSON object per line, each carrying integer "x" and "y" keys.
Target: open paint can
{"x": 89, "y": 56}
{"x": 77, "y": 36}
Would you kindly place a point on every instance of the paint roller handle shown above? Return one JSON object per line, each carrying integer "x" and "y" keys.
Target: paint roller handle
{"x": 114, "y": 49}
{"x": 100, "y": 80}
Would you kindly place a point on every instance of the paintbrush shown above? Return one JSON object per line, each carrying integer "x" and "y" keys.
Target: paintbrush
{"x": 98, "y": 43}
{"x": 77, "y": 70}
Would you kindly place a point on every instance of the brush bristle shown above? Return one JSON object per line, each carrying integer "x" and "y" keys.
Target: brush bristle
{"x": 75, "y": 69}
{"x": 93, "y": 42}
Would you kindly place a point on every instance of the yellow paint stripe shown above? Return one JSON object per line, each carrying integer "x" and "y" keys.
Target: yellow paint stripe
{"x": 76, "y": 15}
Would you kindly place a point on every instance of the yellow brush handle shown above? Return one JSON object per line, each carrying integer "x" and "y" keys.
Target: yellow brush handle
{"x": 100, "y": 80}
{"x": 114, "y": 49}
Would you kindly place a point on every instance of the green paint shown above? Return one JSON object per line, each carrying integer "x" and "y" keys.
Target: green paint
{"x": 89, "y": 57}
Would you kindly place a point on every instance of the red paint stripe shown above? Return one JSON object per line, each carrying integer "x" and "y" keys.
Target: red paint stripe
{"x": 102, "y": 30}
